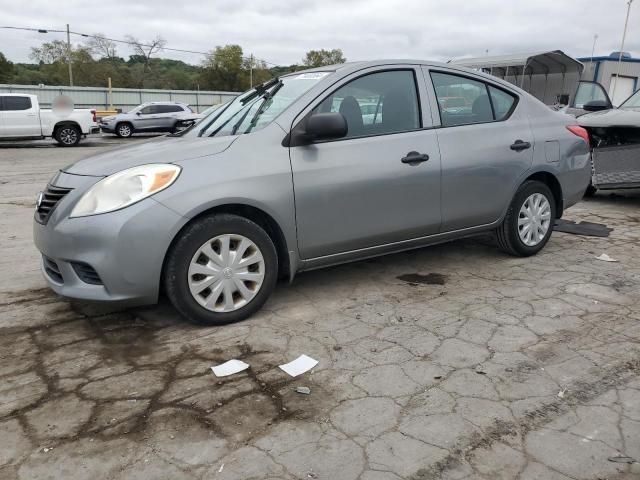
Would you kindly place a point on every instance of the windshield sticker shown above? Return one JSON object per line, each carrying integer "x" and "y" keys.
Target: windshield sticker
{"x": 311, "y": 76}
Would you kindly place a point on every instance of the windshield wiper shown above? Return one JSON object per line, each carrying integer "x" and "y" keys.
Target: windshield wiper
{"x": 267, "y": 97}
{"x": 259, "y": 90}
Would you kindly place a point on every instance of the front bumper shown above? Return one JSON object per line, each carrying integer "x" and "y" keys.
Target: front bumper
{"x": 107, "y": 128}
{"x": 126, "y": 248}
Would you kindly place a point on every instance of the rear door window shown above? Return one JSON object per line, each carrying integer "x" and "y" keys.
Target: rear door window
{"x": 11, "y": 103}
{"x": 464, "y": 101}
{"x": 169, "y": 108}
{"x": 461, "y": 100}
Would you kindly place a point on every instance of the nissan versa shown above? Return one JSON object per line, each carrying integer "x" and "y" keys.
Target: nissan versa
{"x": 307, "y": 170}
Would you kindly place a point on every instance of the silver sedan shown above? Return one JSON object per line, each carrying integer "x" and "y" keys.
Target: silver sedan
{"x": 311, "y": 169}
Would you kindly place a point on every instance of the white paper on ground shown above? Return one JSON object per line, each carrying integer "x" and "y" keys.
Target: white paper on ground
{"x": 229, "y": 368}
{"x": 606, "y": 258}
{"x": 299, "y": 365}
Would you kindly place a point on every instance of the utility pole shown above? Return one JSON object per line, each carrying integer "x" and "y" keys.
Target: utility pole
{"x": 69, "y": 57}
{"x": 624, "y": 35}
{"x": 593, "y": 49}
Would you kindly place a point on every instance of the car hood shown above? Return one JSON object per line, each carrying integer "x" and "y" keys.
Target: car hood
{"x": 621, "y": 117}
{"x": 160, "y": 150}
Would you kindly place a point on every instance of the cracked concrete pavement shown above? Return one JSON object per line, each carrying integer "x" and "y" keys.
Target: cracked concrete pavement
{"x": 471, "y": 365}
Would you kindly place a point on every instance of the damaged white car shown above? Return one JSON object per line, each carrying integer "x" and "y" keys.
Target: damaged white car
{"x": 615, "y": 140}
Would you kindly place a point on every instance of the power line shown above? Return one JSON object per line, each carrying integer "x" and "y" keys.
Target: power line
{"x": 128, "y": 42}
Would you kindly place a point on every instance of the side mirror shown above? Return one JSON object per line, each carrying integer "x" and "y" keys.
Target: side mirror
{"x": 596, "y": 106}
{"x": 317, "y": 127}
{"x": 138, "y": 113}
{"x": 325, "y": 126}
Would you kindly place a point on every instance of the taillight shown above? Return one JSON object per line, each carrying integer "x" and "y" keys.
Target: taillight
{"x": 93, "y": 112}
{"x": 580, "y": 132}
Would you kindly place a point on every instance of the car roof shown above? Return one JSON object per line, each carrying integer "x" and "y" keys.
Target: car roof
{"x": 347, "y": 68}
{"x": 358, "y": 65}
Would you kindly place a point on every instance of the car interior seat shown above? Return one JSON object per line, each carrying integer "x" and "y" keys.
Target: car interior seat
{"x": 350, "y": 108}
{"x": 398, "y": 112}
{"x": 481, "y": 109}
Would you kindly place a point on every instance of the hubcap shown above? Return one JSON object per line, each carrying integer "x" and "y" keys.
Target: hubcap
{"x": 226, "y": 273}
{"x": 68, "y": 136}
{"x": 534, "y": 219}
{"x": 125, "y": 130}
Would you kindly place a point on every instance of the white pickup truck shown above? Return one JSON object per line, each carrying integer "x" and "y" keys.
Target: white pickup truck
{"x": 22, "y": 119}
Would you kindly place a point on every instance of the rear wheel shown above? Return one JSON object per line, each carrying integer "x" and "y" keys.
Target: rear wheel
{"x": 68, "y": 135}
{"x": 222, "y": 269}
{"x": 528, "y": 224}
{"x": 124, "y": 130}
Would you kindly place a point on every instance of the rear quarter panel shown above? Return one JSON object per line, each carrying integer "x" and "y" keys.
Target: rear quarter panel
{"x": 559, "y": 152}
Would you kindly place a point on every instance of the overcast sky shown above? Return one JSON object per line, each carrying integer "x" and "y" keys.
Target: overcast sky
{"x": 281, "y": 31}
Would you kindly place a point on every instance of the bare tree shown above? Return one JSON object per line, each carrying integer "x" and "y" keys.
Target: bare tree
{"x": 101, "y": 46}
{"x": 50, "y": 52}
{"x": 146, "y": 50}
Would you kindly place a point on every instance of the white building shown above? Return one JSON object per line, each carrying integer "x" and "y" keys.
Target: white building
{"x": 603, "y": 70}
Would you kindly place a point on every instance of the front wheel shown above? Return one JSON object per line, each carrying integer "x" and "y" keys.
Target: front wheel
{"x": 529, "y": 221}
{"x": 222, "y": 269}
{"x": 68, "y": 135}
{"x": 124, "y": 130}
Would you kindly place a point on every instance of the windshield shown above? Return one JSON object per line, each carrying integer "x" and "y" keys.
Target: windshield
{"x": 633, "y": 101}
{"x": 256, "y": 108}
{"x": 211, "y": 109}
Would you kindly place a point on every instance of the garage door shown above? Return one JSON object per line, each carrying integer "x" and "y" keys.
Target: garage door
{"x": 624, "y": 89}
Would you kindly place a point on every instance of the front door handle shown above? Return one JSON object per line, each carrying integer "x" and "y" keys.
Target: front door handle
{"x": 519, "y": 145}
{"x": 415, "y": 157}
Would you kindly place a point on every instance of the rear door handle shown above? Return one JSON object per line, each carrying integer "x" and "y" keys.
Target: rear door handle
{"x": 519, "y": 145}
{"x": 415, "y": 157}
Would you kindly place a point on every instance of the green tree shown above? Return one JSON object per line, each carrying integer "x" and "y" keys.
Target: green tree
{"x": 28, "y": 74}
{"x": 277, "y": 71}
{"x": 6, "y": 69}
{"x": 320, "y": 58}
{"x": 225, "y": 69}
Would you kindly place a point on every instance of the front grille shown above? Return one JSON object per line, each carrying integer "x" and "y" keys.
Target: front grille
{"x": 52, "y": 269}
{"x": 50, "y": 198}
{"x": 86, "y": 273}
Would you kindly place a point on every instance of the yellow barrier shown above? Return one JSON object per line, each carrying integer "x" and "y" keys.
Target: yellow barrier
{"x": 105, "y": 113}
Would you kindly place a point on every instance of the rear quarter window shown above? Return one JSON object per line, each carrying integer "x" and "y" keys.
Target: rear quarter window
{"x": 502, "y": 101}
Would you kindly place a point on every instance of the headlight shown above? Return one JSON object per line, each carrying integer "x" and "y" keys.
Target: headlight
{"x": 108, "y": 119}
{"x": 124, "y": 188}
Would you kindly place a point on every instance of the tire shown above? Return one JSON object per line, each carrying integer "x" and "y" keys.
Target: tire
{"x": 124, "y": 130}
{"x": 185, "y": 255}
{"x": 68, "y": 135}
{"x": 508, "y": 234}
